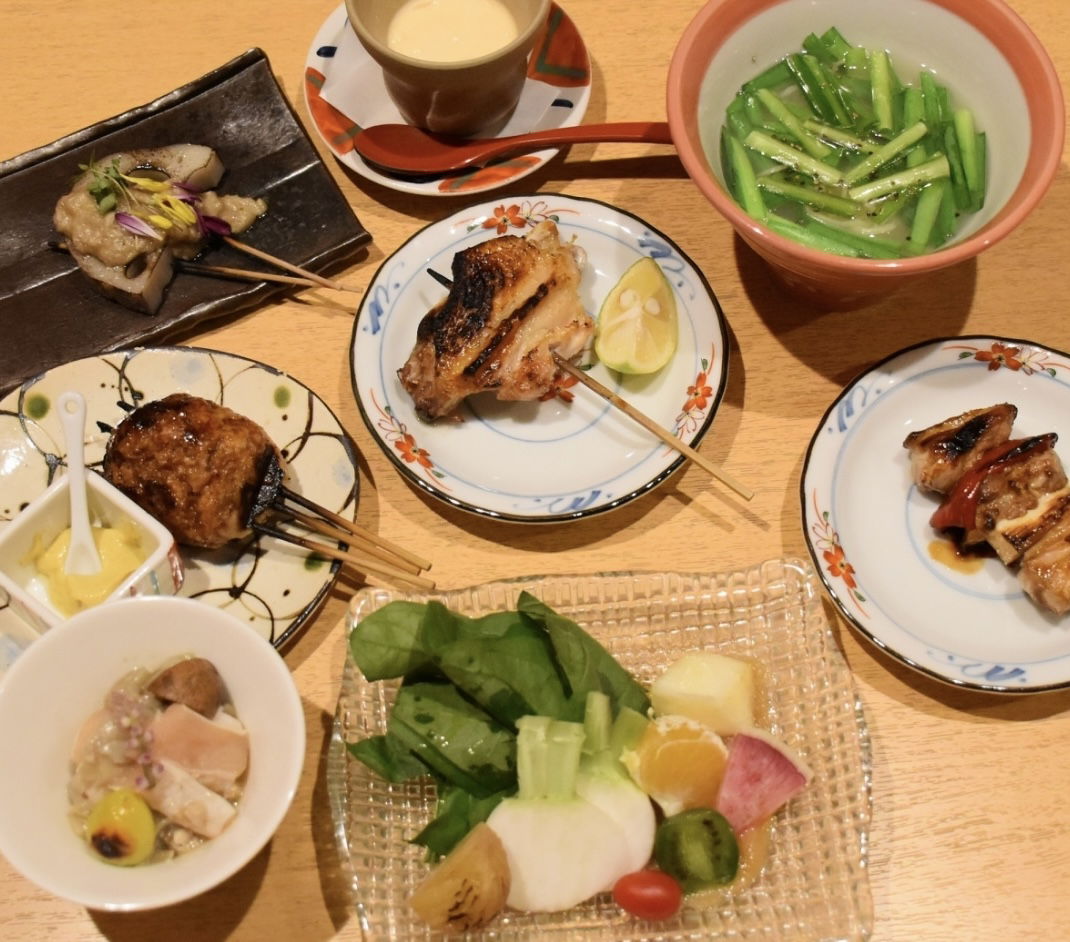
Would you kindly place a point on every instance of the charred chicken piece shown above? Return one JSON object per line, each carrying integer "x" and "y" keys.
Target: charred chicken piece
{"x": 194, "y": 465}
{"x": 941, "y": 454}
{"x": 1044, "y": 572}
{"x": 1012, "y": 538}
{"x": 514, "y": 301}
{"x": 1006, "y": 482}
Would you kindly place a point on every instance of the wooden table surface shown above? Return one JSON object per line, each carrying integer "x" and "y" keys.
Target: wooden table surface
{"x": 970, "y": 835}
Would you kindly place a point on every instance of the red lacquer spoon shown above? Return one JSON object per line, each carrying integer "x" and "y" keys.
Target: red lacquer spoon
{"x": 403, "y": 149}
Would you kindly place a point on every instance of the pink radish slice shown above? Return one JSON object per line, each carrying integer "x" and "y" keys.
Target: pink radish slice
{"x": 761, "y": 775}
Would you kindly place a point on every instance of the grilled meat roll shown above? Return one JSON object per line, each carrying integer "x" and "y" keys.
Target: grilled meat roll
{"x": 194, "y": 465}
{"x": 514, "y": 301}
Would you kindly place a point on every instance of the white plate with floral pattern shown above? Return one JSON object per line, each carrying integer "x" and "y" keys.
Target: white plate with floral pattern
{"x": 271, "y": 585}
{"x": 966, "y": 623}
{"x": 344, "y": 91}
{"x": 539, "y": 462}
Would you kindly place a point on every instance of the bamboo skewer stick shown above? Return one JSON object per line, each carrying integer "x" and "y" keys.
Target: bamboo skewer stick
{"x": 349, "y": 526}
{"x": 651, "y": 426}
{"x": 198, "y": 268}
{"x": 282, "y": 263}
{"x": 368, "y": 547}
{"x": 365, "y": 564}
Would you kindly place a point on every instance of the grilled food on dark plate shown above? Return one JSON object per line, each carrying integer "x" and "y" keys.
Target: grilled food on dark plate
{"x": 1011, "y": 493}
{"x": 514, "y": 302}
{"x": 130, "y": 214}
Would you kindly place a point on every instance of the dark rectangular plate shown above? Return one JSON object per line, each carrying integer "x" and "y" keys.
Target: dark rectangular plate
{"x": 49, "y": 312}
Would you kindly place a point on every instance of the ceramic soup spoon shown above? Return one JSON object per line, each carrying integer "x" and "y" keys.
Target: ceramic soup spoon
{"x": 82, "y": 555}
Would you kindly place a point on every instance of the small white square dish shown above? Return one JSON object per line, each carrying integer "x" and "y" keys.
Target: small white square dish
{"x": 35, "y": 528}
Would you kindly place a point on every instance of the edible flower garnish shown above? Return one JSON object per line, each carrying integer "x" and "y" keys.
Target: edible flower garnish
{"x": 136, "y": 225}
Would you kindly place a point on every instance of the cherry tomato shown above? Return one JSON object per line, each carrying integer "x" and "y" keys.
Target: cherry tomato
{"x": 648, "y": 894}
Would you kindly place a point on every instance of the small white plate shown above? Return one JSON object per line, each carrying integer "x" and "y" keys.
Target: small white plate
{"x": 868, "y": 530}
{"x": 271, "y": 585}
{"x": 539, "y": 462}
{"x": 344, "y": 92}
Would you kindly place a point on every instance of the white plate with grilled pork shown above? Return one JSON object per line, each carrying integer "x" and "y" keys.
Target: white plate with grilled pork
{"x": 936, "y": 507}
{"x": 459, "y": 386}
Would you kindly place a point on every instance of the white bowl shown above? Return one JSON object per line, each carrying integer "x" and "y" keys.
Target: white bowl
{"x": 49, "y": 515}
{"x": 63, "y": 677}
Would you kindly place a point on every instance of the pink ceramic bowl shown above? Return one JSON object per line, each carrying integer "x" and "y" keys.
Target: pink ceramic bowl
{"x": 980, "y": 49}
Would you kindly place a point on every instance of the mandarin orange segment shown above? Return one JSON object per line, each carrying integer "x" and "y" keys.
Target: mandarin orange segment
{"x": 679, "y": 763}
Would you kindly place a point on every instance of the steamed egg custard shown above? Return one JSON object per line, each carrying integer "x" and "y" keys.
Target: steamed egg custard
{"x": 450, "y": 30}
{"x": 120, "y": 550}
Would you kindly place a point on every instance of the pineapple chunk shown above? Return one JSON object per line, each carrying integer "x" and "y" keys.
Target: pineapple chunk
{"x": 713, "y": 689}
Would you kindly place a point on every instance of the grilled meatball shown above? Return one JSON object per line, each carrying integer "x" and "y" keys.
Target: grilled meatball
{"x": 194, "y": 465}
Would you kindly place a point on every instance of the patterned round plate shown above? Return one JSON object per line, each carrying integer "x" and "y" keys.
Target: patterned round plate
{"x": 272, "y": 585}
{"x": 868, "y": 530}
{"x": 344, "y": 91}
{"x": 539, "y": 461}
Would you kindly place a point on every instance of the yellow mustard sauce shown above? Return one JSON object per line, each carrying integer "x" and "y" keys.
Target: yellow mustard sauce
{"x": 120, "y": 552}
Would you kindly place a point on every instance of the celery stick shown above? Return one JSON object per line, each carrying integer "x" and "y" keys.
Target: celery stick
{"x": 745, "y": 188}
{"x": 925, "y": 212}
{"x": 779, "y": 110}
{"x": 810, "y": 238}
{"x": 791, "y": 157}
{"x": 924, "y": 173}
{"x": 885, "y": 154}
{"x": 828, "y": 202}
{"x": 880, "y": 77}
{"x": 839, "y": 137}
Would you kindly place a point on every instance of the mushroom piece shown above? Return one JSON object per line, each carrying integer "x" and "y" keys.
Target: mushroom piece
{"x": 193, "y": 682}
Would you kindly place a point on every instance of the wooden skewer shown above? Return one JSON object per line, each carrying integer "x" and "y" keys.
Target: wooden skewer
{"x": 284, "y": 494}
{"x": 651, "y": 426}
{"x": 368, "y": 548}
{"x": 282, "y": 263}
{"x": 365, "y": 564}
{"x": 197, "y": 268}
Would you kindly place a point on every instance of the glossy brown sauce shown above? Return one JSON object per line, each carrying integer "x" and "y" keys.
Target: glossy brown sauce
{"x": 950, "y": 554}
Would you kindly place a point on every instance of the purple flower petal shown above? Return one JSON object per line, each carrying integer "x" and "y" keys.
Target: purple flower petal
{"x": 137, "y": 226}
{"x": 214, "y": 225}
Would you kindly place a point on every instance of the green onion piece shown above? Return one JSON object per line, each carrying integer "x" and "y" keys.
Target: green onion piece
{"x": 744, "y": 185}
{"x": 867, "y": 246}
{"x": 736, "y": 116}
{"x": 780, "y": 111}
{"x": 925, "y": 213}
{"x": 830, "y": 203}
{"x": 960, "y": 189}
{"x": 966, "y": 133}
{"x": 792, "y": 157}
{"x": 915, "y": 176}
{"x": 817, "y": 87}
{"x": 808, "y": 237}
{"x": 817, "y": 48}
{"x": 880, "y": 77}
{"x": 885, "y": 154}
{"x": 835, "y": 43}
{"x": 776, "y": 74}
{"x": 839, "y": 137}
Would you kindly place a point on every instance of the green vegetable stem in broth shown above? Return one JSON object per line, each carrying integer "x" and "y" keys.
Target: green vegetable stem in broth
{"x": 831, "y": 148}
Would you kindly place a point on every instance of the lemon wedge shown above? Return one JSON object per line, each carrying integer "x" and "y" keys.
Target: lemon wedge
{"x": 637, "y": 321}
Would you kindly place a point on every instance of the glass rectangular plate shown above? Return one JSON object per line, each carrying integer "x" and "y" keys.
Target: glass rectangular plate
{"x": 815, "y": 885}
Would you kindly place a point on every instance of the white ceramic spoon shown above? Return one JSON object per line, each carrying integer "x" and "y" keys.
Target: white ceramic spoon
{"x": 82, "y": 556}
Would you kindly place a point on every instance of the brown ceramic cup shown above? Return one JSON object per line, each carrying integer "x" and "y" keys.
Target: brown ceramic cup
{"x": 473, "y": 96}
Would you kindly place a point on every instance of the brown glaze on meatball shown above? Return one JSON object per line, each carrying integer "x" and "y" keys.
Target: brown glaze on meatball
{"x": 194, "y": 465}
